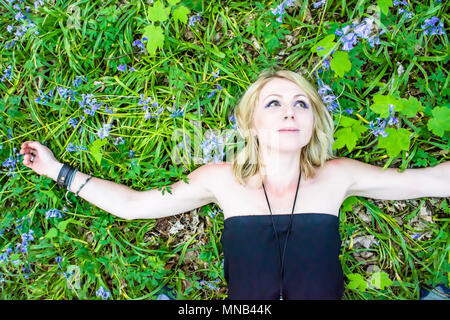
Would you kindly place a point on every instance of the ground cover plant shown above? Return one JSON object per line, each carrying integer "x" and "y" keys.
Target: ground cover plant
{"x": 122, "y": 90}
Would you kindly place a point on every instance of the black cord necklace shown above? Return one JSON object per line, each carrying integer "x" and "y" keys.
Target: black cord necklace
{"x": 287, "y": 237}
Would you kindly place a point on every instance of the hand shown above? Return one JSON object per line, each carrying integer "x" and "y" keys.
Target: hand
{"x": 44, "y": 162}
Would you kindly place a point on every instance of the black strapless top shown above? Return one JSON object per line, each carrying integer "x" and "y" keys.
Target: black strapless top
{"x": 312, "y": 267}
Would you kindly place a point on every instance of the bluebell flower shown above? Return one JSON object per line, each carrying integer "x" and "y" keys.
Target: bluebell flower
{"x": 280, "y": 9}
{"x": 102, "y": 293}
{"x": 104, "y": 132}
{"x": 53, "y": 213}
{"x": 349, "y": 41}
{"x": 430, "y": 27}
{"x": 58, "y": 260}
{"x": 122, "y": 67}
{"x": 73, "y": 122}
{"x": 65, "y": 92}
{"x": 38, "y": 3}
{"x": 364, "y": 28}
{"x": 216, "y": 75}
{"x": 7, "y": 74}
{"x": 9, "y": 28}
{"x": 177, "y": 113}
{"x": 70, "y": 147}
{"x": 89, "y": 100}
{"x": 78, "y": 80}
{"x": 193, "y": 19}
{"x": 319, "y": 3}
{"x": 19, "y": 16}
{"x": 119, "y": 140}
{"x": 110, "y": 110}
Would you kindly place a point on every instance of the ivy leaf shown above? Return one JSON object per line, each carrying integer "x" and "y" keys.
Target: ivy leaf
{"x": 396, "y": 141}
{"x": 340, "y": 63}
{"x": 326, "y": 43}
{"x": 173, "y": 2}
{"x": 384, "y": 6}
{"x": 357, "y": 282}
{"x": 181, "y": 14}
{"x": 380, "y": 280}
{"x": 440, "y": 121}
{"x": 157, "y": 12}
{"x": 95, "y": 149}
{"x": 156, "y": 36}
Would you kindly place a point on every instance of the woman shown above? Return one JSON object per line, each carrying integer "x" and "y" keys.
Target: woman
{"x": 280, "y": 195}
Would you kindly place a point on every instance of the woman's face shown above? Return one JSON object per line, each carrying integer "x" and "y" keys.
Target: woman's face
{"x": 282, "y": 104}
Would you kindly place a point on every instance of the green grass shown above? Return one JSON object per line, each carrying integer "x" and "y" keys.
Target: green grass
{"x": 136, "y": 259}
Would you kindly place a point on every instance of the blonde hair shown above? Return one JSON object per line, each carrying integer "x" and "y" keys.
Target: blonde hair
{"x": 247, "y": 161}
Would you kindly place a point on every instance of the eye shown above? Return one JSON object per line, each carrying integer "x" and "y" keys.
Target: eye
{"x": 304, "y": 103}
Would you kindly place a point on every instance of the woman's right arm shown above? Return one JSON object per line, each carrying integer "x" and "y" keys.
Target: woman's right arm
{"x": 122, "y": 201}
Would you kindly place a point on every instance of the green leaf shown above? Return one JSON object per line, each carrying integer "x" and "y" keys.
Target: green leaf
{"x": 357, "y": 282}
{"x": 381, "y": 103}
{"x": 410, "y": 107}
{"x": 396, "y": 141}
{"x": 327, "y": 43}
{"x": 384, "y": 6}
{"x": 349, "y": 135}
{"x": 157, "y": 12}
{"x": 51, "y": 233}
{"x": 95, "y": 149}
{"x": 440, "y": 121}
{"x": 181, "y": 14}
{"x": 156, "y": 36}
{"x": 380, "y": 280}
{"x": 173, "y": 2}
{"x": 63, "y": 224}
{"x": 340, "y": 63}
{"x": 345, "y": 137}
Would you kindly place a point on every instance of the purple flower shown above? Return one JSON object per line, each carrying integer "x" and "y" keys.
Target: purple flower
{"x": 349, "y": 41}
{"x": 9, "y": 28}
{"x": 193, "y": 19}
{"x": 6, "y": 74}
{"x": 102, "y": 293}
{"x": 216, "y": 75}
{"x": 110, "y": 110}
{"x": 73, "y": 122}
{"x": 53, "y": 213}
{"x": 319, "y": 3}
{"x": 363, "y": 29}
{"x": 122, "y": 67}
{"x": 78, "y": 80}
{"x": 38, "y": 3}
{"x": 118, "y": 140}
{"x": 104, "y": 132}
{"x": 430, "y": 27}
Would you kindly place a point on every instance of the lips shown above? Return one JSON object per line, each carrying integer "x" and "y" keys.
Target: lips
{"x": 289, "y": 130}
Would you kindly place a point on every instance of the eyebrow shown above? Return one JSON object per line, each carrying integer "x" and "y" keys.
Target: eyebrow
{"x": 274, "y": 94}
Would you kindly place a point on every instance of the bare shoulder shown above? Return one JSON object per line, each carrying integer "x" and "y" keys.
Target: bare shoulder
{"x": 212, "y": 177}
{"x": 339, "y": 170}
{"x": 337, "y": 166}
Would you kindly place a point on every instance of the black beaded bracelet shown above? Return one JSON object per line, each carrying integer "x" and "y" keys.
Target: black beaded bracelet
{"x": 62, "y": 176}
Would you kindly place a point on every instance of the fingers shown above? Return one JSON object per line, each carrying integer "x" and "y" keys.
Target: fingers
{"x": 28, "y": 146}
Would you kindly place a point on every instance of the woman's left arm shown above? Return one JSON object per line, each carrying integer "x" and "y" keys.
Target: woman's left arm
{"x": 390, "y": 184}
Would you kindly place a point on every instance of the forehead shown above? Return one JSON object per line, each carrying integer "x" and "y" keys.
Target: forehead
{"x": 283, "y": 87}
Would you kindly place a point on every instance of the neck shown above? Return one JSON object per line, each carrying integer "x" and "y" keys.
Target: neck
{"x": 280, "y": 170}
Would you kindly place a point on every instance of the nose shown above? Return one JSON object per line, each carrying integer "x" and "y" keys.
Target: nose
{"x": 288, "y": 112}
